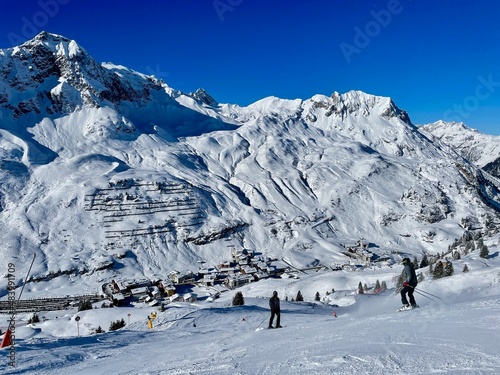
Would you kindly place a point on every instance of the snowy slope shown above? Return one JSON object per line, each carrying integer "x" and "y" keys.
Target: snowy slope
{"x": 455, "y": 333}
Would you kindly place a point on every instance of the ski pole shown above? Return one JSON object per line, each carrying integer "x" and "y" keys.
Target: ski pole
{"x": 423, "y": 291}
{"x": 261, "y": 323}
{"x": 423, "y": 295}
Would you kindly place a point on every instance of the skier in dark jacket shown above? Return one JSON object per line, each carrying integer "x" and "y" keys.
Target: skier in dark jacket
{"x": 409, "y": 283}
{"x": 274, "y": 304}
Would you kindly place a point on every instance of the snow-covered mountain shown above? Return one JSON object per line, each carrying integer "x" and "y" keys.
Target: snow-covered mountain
{"x": 481, "y": 149}
{"x": 106, "y": 172}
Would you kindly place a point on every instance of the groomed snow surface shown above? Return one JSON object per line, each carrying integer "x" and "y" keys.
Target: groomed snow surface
{"x": 457, "y": 334}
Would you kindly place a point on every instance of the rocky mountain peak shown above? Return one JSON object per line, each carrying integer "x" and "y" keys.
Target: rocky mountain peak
{"x": 201, "y": 96}
{"x": 359, "y": 101}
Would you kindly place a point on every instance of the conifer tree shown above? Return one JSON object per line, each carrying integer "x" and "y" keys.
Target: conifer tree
{"x": 117, "y": 325}
{"x": 383, "y": 285}
{"x": 377, "y": 286}
{"x": 484, "y": 252}
{"x": 479, "y": 243}
{"x": 438, "y": 270}
{"x": 317, "y": 297}
{"x": 360, "y": 288}
{"x": 238, "y": 299}
{"x": 466, "y": 269}
{"x": 424, "y": 262}
{"x": 299, "y": 297}
{"x": 448, "y": 269}
{"x": 84, "y": 305}
{"x": 415, "y": 263}
{"x": 34, "y": 319}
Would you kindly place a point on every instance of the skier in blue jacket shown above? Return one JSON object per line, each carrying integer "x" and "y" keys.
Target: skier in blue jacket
{"x": 274, "y": 304}
{"x": 409, "y": 284}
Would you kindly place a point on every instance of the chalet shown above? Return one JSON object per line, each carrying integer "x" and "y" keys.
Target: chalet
{"x": 208, "y": 280}
{"x": 242, "y": 260}
{"x": 261, "y": 265}
{"x": 132, "y": 284}
{"x": 181, "y": 278}
{"x": 155, "y": 292}
{"x": 235, "y": 281}
{"x": 276, "y": 268}
{"x": 167, "y": 287}
{"x": 247, "y": 270}
{"x": 225, "y": 265}
{"x": 364, "y": 255}
{"x": 228, "y": 270}
{"x": 259, "y": 275}
{"x": 237, "y": 253}
{"x": 202, "y": 272}
{"x": 118, "y": 299}
{"x": 140, "y": 293}
{"x": 188, "y": 297}
{"x": 348, "y": 267}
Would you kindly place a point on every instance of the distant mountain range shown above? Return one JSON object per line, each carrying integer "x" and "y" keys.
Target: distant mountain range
{"x": 107, "y": 172}
{"x": 481, "y": 149}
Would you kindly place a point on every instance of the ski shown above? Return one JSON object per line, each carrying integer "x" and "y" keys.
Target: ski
{"x": 408, "y": 308}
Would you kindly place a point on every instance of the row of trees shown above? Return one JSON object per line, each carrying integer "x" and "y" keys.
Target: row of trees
{"x": 379, "y": 287}
{"x": 239, "y": 300}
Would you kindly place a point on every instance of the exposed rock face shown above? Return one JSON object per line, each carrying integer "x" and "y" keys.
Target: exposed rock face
{"x": 61, "y": 77}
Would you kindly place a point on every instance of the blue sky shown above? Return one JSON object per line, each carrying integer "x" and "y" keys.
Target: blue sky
{"x": 436, "y": 59}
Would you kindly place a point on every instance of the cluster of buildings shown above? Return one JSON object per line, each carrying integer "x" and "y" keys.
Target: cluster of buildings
{"x": 244, "y": 268}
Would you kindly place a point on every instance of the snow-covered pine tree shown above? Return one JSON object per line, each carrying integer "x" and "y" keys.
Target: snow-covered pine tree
{"x": 438, "y": 270}
{"x": 479, "y": 243}
{"x": 448, "y": 269}
{"x": 415, "y": 263}
{"x": 465, "y": 269}
{"x": 484, "y": 252}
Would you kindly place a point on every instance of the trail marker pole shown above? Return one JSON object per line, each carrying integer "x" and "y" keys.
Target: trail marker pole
{"x": 77, "y": 318}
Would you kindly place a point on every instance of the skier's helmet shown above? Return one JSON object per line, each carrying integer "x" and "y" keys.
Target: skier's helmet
{"x": 406, "y": 261}
{"x": 275, "y": 293}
